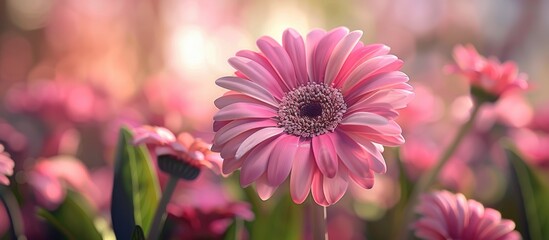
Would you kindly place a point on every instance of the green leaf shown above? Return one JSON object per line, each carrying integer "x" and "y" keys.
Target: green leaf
{"x": 135, "y": 191}
{"x": 232, "y": 231}
{"x": 138, "y": 233}
{"x": 535, "y": 196}
{"x": 72, "y": 218}
{"x": 284, "y": 220}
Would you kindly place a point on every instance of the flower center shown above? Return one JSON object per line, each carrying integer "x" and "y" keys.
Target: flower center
{"x": 311, "y": 110}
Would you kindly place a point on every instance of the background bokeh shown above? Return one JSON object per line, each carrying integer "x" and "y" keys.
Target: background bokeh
{"x": 72, "y": 72}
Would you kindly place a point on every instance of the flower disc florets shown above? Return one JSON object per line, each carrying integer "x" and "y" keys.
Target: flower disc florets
{"x": 311, "y": 110}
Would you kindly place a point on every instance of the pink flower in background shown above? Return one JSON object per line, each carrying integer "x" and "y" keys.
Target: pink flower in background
{"x": 487, "y": 75}
{"x": 14, "y": 141}
{"x": 6, "y": 166}
{"x": 533, "y": 141}
{"x": 425, "y": 108}
{"x": 421, "y": 154}
{"x": 185, "y": 148}
{"x": 50, "y": 178}
{"x": 59, "y": 100}
{"x": 204, "y": 209}
{"x": 451, "y": 216}
{"x": 318, "y": 110}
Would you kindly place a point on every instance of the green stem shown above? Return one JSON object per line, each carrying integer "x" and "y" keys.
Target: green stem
{"x": 160, "y": 214}
{"x": 428, "y": 179}
{"x": 14, "y": 214}
{"x": 318, "y": 220}
{"x": 527, "y": 195}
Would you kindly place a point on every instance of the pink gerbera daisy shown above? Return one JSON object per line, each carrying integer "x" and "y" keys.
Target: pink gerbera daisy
{"x": 6, "y": 166}
{"x": 182, "y": 156}
{"x": 318, "y": 110}
{"x": 451, "y": 216}
{"x": 489, "y": 78}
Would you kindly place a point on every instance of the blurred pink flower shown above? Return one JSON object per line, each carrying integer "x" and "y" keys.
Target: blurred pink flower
{"x": 533, "y": 141}
{"x": 6, "y": 166}
{"x": 204, "y": 209}
{"x": 451, "y": 216}
{"x": 320, "y": 109}
{"x": 420, "y": 154}
{"x": 170, "y": 101}
{"x": 540, "y": 119}
{"x": 50, "y": 178}
{"x": 511, "y": 110}
{"x": 184, "y": 147}
{"x": 425, "y": 108}
{"x": 14, "y": 141}
{"x": 487, "y": 75}
{"x": 344, "y": 225}
{"x": 59, "y": 100}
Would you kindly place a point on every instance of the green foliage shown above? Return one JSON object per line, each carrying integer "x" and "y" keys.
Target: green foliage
{"x": 284, "y": 220}
{"x": 135, "y": 193}
{"x": 72, "y": 218}
{"x": 138, "y": 233}
{"x": 535, "y": 196}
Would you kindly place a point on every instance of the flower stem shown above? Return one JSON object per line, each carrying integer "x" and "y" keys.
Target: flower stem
{"x": 14, "y": 214}
{"x": 318, "y": 220}
{"x": 526, "y": 196}
{"x": 427, "y": 179}
{"x": 160, "y": 214}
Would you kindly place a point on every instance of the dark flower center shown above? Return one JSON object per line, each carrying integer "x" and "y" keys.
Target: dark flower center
{"x": 311, "y": 110}
{"x": 178, "y": 167}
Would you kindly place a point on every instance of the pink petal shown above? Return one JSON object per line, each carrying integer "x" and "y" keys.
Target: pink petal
{"x": 280, "y": 60}
{"x": 247, "y": 87}
{"x": 431, "y": 229}
{"x": 379, "y": 109}
{"x": 293, "y": 43}
{"x": 323, "y": 51}
{"x": 500, "y": 229}
{"x": 377, "y": 162}
{"x": 152, "y": 135}
{"x": 378, "y": 82}
{"x": 313, "y": 37}
{"x": 261, "y": 59}
{"x": 302, "y": 172}
{"x": 244, "y": 110}
{"x": 264, "y": 189}
{"x": 281, "y": 160}
{"x": 237, "y": 127}
{"x": 364, "y": 119}
{"x": 358, "y": 56}
{"x": 317, "y": 189}
{"x": 4, "y": 180}
{"x": 228, "y": 150}
{"x": 230, "y": 165}
{"x": 325, "y": 155}
{"x": 256, "y": 73}
{"x": 216, "y": 163}
{"x": 370, "y": 67}
{"x": 219, "y": 124}
{"x": 255, "y": 162}
{"x": 391, "y": 128}
{"x": 334, "y": 188}
{"x": 366, "y": 183}
{"x": 476, "y": 211}
{"x": 256, "y": 138}
{"x": 229, "y": 99}
{"x": 340, "y": 53}
{"x": 353, "y": 156}
{"x": 393, "y": 98}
